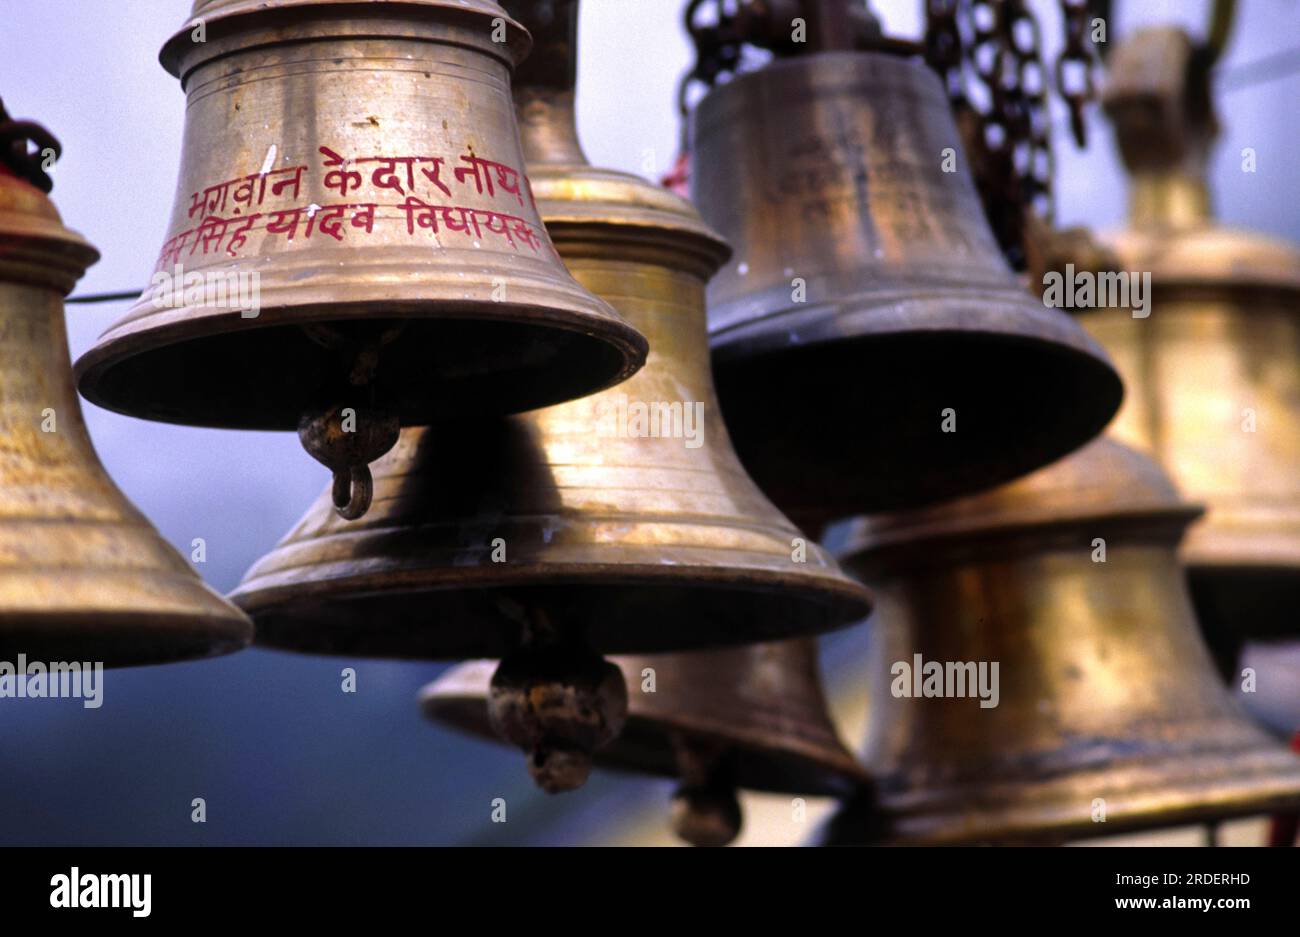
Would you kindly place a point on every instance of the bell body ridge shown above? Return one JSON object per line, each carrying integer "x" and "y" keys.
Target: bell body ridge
{"x": 866, "y": 301}
{"x": 83, "y": 575}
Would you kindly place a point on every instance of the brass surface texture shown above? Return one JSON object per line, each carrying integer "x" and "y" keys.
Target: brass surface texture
{"x": 362, "y": 160}
{"x": 83, "y": 576}
{"x": 634, "y": 542}
{"x": 1106, "y": 689}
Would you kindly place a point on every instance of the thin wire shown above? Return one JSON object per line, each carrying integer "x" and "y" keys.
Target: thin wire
{"x": 103, "y": 297}
{"x": 1269, "y": 68}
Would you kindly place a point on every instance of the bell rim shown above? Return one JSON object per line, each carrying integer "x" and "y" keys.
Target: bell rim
{"x": 1245, "y": 260}
{"x": 288, "y": 615}
{"x": 736, "y": 376}
{"x": 807, "y": 767}
{"x": 1104, "y": 486}
{"x": 1160, "y": 526}
{"x": 167, "y": 636}
{"x": 1138, "y": 808}
{"x": 1213, "y": 547}
{"x": 905, "y": 308}
{"x": 119, "y": 345}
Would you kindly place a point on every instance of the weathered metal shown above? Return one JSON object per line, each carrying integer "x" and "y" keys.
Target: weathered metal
{"x": 1106, "y": 705}
{"x": 872, "y": 347}
{"x": 84, "y": 577}
{"x": 356, "y": 167}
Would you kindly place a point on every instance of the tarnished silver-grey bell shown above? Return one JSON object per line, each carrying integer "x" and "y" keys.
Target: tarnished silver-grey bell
{"x": 872, "y": 348}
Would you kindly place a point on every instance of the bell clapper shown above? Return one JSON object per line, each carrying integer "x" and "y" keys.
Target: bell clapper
{"x": 558, "y": 701}
{"x": 706, "y": 807}
{"x": 346, "y": 439}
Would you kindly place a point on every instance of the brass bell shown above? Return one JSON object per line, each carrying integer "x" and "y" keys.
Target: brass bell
{"x": 83, "y": 575}
{"x": 1036, "y": 668}
{"x": 867, "y": 311}
{"x": 353, "y": 231}
{"x": 749, "y": 718}
{"x": 618, "y": 523}
{"x": 1213, "y": 366}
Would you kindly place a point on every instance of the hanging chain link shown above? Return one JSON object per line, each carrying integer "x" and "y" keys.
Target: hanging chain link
{"x": 997, "y": 44}
{"x": 722, "y": 31}
{"x": 1074, "y": 66}
{"x": 16, "y": 155}
{"x": 943, "y": 46}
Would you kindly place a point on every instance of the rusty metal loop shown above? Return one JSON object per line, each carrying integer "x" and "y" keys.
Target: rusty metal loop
{"x": 1077, "y": 53}
{"x": 353, "y": 491}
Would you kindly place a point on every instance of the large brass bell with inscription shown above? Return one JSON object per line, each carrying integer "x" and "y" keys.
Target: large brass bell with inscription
{"x": 1036, "y": 673}
{"x": 749, "y": 718}
{"x": 866, "y": 310}
{"x": 83, "y": 575}
{"x": 618, "y": 523}
{"x": 353, "y": 244}
{"x": 1213, "y": 368}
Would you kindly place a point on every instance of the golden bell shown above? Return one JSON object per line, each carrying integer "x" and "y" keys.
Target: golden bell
{"x": 623, "y": 519}
{"x": 83, "y": 576}
{"x": 1105, "y": 703}
{"x": 867, "y": 311}
{"x": 751, "y": 718}
{"x": 352, "y": 173}
{"x": 1213, "y": 368}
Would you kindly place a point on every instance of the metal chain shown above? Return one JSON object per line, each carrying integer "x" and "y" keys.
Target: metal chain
{"x": 723, "y": 30}
{"x": 1015, "y": 161}
{"x": 18, "y": 158}
{"x": 1034, "y": 157}
{"x": 1074, "y": 66}
{"x": 943, "y": 46}
{"x": 999, "y": 42}
{"x": 719, "y": 45}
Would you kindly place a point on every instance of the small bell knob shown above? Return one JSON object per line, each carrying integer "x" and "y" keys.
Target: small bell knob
{"x": 560, "y": 705}
{"x": 346, "y": 440}
{"x": 706, "y": 816}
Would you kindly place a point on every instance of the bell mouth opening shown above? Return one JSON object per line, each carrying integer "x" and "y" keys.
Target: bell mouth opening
{"x": 1235, "y": 604}
{"x": 609, "y": 612}
{"x": 867, "y": 420}
{"x": 120, "y": 639}
{"x": 437, "y": 369}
